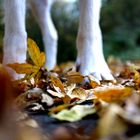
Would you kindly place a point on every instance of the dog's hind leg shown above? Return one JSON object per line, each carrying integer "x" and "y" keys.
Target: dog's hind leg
{"x": 41, "y": 10}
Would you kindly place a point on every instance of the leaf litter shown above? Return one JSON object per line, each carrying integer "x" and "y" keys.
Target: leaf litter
{"x": 66, "y": 95}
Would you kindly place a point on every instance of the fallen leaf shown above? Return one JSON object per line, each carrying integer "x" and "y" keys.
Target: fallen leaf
{"x": 47, "y": 99}
{"x": 76, "y": 113}
{"x": 66, "y": 99}
{"x": 110, "y": 123}
{"x": 79, "y": 93}
{"x": 93, "y": 81}
{"x": 57, "y": 82}
{"x": 114, "y": 93}
{"x": 74, "y": 77}
{"x": 55, "y": 94}
{"x": 58, "y": 108}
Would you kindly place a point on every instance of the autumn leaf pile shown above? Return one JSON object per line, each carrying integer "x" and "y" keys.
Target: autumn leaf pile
{"x": 67, "y": 95}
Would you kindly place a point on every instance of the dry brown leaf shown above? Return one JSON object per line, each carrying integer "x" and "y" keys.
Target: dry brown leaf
{"x": 66, "y": 99}
{"x": 112, "y": 93}
{"x": 70, "y": 88}
{"x": 110, "y": 123}
{"x": 55, "y": 94}
{"x": 79, "y": 93}
{"x": 131, "y": 111}
{"x": 93, "y": 81}
{"x": 57, "y": 82}
{"x": 74, "y": 77}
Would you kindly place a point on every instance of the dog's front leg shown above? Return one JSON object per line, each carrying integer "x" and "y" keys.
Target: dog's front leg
{"x": 90, "y": 59}
{"x": 15, "y": 37}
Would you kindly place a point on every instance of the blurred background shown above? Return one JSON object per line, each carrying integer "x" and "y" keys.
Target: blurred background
{"x": 120, "y": 24}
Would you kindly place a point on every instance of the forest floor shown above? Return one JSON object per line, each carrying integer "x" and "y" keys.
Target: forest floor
{"x": 63, "y": 104}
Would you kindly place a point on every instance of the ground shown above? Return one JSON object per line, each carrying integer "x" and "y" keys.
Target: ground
{"x": 63, "y": 104}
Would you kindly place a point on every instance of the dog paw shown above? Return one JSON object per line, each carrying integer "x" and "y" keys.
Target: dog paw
{"x": 100, "y": 71}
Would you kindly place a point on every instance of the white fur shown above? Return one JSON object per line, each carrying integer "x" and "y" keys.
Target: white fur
{"x": 41, "y": 10}
{"x": 90, "y": 57}
{"x": 15, "y": 35}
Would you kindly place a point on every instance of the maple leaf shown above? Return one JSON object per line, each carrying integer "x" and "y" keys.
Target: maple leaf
{"x": 31, "y": 70}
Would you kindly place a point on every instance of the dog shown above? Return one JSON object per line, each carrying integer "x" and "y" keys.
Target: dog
{"x": 90, "y": 58}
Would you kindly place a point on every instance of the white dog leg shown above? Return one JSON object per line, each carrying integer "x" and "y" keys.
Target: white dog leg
{"x": 41, "y": 10}
{"x": 15, "y": 35}
{"x": 89, "y": 41}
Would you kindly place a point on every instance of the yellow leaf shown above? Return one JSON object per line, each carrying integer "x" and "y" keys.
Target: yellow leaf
{"x": 42, "y": 59}
{"x": 112, "y": 93}
{"x": 23, "y": 68}
{"x": 37, "y": 76}
{"x": 34, "y": 52}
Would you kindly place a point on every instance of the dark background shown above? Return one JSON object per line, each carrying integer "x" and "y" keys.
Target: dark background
{"x": 120, "y": 24}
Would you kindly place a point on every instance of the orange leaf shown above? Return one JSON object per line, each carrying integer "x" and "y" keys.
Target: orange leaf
{"x": 23, "y": 68}
{"x": 34, "y": 52}
{"x": 112, "y": 93}
{"x": 66, "y": 99}
{"x": 59, "y": 108}
{"x": 93, "y": 81}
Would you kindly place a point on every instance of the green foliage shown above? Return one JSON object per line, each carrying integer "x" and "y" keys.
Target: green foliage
{"x": 120, "y": 22}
